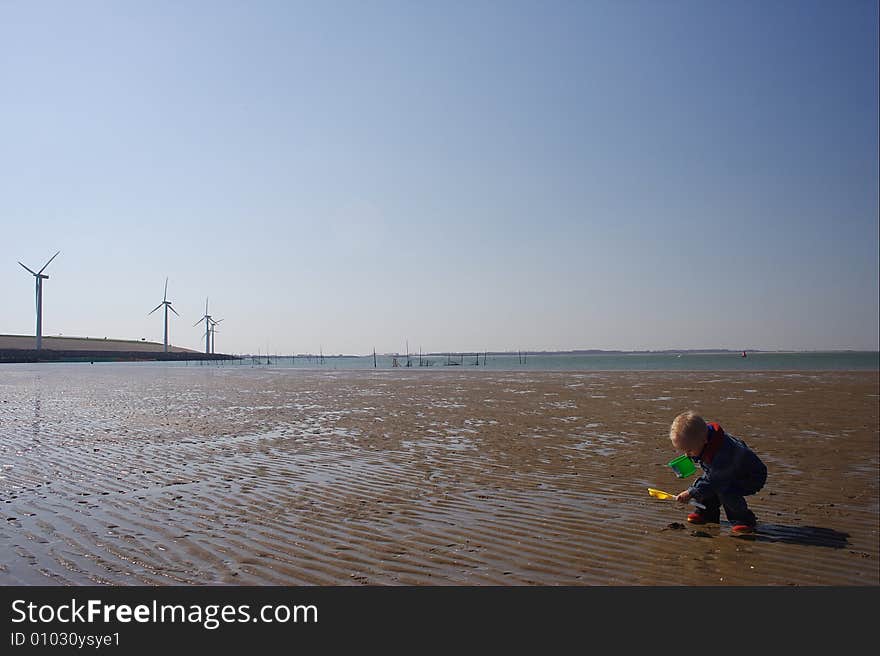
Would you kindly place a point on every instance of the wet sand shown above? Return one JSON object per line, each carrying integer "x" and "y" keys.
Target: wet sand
{"x": 146, "y": 474}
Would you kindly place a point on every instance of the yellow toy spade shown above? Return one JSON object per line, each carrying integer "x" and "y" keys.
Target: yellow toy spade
{"x": 660, "y": 494}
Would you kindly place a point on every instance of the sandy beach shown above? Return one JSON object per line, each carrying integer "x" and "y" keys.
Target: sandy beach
{"x": 149, "y": 474}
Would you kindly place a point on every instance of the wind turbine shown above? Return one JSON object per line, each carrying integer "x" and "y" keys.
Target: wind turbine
{"x": 207, "y": 319}
{"x": 40, "y": 278}
{"x": 213, "y": 326}
{"x": 167, "y": 305}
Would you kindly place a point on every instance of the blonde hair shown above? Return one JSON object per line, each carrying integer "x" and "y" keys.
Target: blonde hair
{"x": 688, "y": 430}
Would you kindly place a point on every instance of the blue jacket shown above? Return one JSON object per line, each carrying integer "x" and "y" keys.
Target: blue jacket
{"x": 729, "y": 466}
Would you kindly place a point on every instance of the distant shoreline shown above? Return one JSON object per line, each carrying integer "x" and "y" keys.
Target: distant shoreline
{"x": 575, "y": 352}
{"x": 23, "y": 345}
{"x": 18, "y": 356}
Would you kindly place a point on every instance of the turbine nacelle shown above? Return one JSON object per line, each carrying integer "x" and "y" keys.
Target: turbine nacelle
{"x": 39, "y": 274}
{"x": 166, "y": 303}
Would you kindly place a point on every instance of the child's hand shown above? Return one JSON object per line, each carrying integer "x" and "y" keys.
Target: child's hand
{"x": 683, "y": 497}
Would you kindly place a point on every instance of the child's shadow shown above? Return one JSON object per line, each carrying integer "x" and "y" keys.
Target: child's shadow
{"x": 808, "y": 535}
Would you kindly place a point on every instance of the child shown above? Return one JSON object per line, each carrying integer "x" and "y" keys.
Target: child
{"x": 732, "y": 471}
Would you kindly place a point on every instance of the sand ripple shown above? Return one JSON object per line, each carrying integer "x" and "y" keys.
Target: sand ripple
{"x": 144, "y": 474}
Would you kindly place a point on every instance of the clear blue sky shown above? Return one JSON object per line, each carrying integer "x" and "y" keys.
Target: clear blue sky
{"x": 464, "y": 175}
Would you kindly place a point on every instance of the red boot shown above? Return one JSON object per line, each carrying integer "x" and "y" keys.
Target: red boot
{"x": 743, "y": 529}
{"x": 700, "y": 518}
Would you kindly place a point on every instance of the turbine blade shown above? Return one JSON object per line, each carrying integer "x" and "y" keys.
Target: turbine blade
{"x": 165, "y": 297}
{"x": 206, "y": 306}
{"x": 198, "y": 322}
{"x": 28, "y": 269}
{"x": 216, "y": 322}
{"x": 154, "y": 309}
{"x": 47, "y": 263}
{"x": 173, "y": 310}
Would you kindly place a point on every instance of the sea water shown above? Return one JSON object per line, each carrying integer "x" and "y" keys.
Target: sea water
{"x": 666, "y": 361}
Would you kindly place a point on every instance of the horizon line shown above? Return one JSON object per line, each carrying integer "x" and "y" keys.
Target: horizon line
{"x": 466, "y": 352}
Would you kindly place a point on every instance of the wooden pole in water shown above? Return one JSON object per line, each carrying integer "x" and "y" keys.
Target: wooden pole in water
{"x": 374, "y": 357}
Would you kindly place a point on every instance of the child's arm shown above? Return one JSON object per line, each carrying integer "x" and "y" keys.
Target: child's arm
{"x": 700, "y": 487}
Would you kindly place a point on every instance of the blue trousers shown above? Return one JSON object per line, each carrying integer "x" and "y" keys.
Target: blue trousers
{"x": 734, "y": 502}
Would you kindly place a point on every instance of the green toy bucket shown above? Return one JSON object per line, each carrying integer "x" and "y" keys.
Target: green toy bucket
{"x": 683, "y": 466}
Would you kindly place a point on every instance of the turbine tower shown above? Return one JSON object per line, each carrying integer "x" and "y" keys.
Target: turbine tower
{"x": 40, "y": 278}
{"x": 167, "y": 305}
{"x": 207, "y": 319}
{"x": 213, "y": 331}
